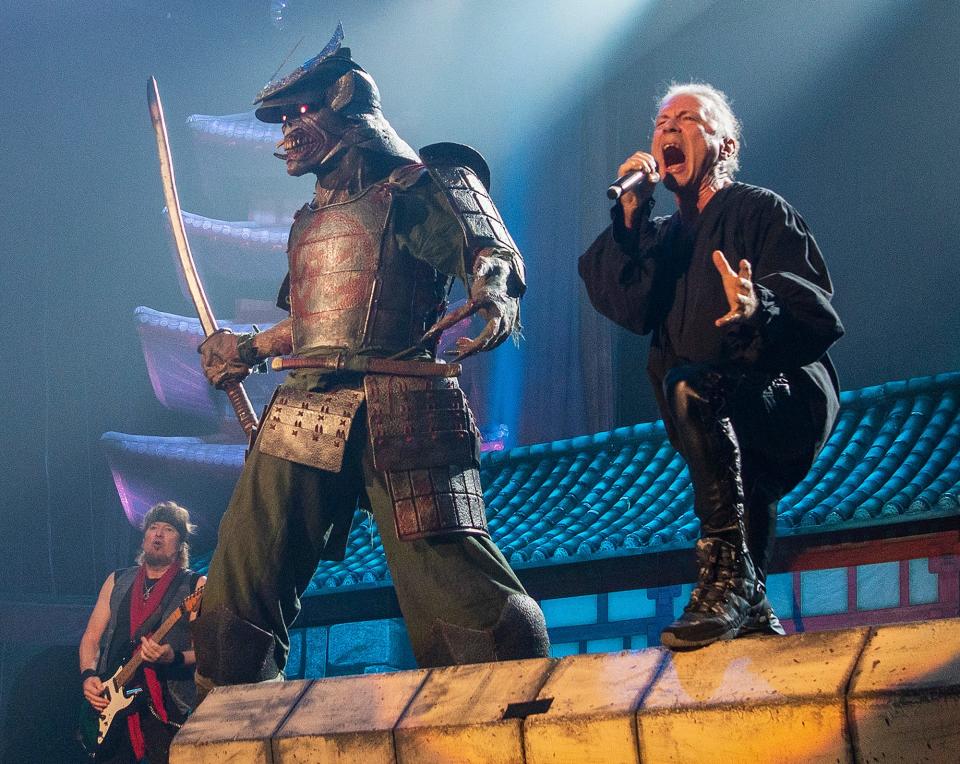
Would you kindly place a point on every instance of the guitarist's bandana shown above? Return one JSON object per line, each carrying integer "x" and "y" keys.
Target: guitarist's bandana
{"x": 140, "y": 610}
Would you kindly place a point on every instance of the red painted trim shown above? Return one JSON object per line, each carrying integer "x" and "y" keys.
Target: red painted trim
{"x": 875, "y": 617}
{"x": 882, "y": 550}
{"x": 904, "y": 583}
{"x": 947, "y": 569}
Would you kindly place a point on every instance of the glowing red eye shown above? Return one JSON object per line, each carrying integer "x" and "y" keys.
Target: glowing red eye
{"x": 284, "y": 118}
{"x": 303, "y": 109}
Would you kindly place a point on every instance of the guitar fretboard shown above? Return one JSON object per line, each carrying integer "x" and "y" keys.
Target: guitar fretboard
{"x": 130, "y": 668}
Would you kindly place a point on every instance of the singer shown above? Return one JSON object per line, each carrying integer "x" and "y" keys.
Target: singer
{"x": 736, "y": 296}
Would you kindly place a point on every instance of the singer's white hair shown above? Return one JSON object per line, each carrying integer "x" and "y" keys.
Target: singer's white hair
{"x": 717, "y": 106}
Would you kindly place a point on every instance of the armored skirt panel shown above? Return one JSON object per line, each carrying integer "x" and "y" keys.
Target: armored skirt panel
{"x": 420, "y": 434}
{"x": 423, "y": 436}
{"x": 351, "y": 288}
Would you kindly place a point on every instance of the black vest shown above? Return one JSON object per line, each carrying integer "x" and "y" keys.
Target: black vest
{"x": 177, "y": 681}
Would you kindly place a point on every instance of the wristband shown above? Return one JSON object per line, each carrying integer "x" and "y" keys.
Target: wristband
{"x": 247, "y": 351}
{"x": 86, "y": 674}
{"x": 177, "y": 659}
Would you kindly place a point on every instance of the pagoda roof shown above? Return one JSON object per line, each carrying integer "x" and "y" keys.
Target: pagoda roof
{"x": 893, "y": 458}
{"x": 170, "y": 342}
{"x": 231, "y": 129}
{"x": 196, "y": 472}
{"x": 239, "y": 249}
{"x": 240, "y": 232}
{"x": 169, "y": 345}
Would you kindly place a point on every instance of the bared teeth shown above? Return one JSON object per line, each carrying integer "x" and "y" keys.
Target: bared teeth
{"x": 295, "y": 142}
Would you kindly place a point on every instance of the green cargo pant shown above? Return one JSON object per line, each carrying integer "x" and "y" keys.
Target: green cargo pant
{"x": 460, "y": 600}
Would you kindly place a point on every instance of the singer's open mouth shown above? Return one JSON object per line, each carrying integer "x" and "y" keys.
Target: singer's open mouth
{"x": 673, "y": 156}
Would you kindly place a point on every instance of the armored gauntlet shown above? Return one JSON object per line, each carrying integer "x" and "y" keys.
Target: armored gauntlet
{"x": 227, "y": 357}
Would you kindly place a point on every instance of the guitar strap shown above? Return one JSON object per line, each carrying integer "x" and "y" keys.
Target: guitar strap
{"x": 148, "y": 611}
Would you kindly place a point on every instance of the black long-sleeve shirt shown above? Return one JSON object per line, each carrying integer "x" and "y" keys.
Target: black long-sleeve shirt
{"x": 658, "y": 277}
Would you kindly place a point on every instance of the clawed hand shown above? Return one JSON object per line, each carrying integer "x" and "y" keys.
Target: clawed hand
{"x": 738, "y": 288}
{"x": 220, "y": 359}
{"x": 490, "y": 297}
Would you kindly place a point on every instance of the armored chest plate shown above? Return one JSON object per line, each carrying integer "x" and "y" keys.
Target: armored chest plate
{"x": 333, "y": 271}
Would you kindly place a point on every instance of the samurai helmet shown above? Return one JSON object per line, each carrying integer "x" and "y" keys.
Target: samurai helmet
{"x": 331, "y": 78}
{"x": 344, "y": 98}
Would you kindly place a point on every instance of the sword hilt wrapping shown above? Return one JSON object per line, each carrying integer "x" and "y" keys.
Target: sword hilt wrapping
{"x": 241, "y": 406}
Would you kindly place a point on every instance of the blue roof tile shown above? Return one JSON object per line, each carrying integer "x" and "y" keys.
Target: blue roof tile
{"x": 895, "y": 453}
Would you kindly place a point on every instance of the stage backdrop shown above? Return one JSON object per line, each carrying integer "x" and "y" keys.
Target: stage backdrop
{"x": 849, "y": 111}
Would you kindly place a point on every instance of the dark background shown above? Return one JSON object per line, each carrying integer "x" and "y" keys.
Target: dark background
{"x": 850, "y": 111}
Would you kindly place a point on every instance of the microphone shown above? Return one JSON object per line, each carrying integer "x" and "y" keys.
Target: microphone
{"x": 625, "y": 182}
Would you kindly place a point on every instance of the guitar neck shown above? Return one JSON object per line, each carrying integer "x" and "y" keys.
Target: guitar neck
{"x": 131, "y": 666}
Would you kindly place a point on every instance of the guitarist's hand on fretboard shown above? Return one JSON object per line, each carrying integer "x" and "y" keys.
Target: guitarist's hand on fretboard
{"x": 154, "y": 652}
{"x": 93, "y": 692}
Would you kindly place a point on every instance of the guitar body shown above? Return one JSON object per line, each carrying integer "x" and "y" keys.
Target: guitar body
{"x": 94, "y": 727}
{"x": 120, "y": 691}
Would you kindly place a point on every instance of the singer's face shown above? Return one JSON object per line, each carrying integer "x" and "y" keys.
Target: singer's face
{"x": 685, "y": 143}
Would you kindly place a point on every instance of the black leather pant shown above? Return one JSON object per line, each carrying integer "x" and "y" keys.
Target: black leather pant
{"x": 748, "y": 438}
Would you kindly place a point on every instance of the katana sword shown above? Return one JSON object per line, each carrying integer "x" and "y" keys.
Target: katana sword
{"x": 234, "y": 390}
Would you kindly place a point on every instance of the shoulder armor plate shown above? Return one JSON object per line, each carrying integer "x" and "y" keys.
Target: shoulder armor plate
{"x": 459, "y": 171}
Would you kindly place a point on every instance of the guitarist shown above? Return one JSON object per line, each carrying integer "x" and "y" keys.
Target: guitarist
{"x": 131, "y": 604}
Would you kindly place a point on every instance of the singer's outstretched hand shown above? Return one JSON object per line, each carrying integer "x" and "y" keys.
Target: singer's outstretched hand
{"x": 739, "y": 290}
{"x": 631, "y": 200}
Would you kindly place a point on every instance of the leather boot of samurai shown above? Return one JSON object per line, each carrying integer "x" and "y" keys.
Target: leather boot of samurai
{"x": 231, "y": 650}
{"x": 728, "y": 596}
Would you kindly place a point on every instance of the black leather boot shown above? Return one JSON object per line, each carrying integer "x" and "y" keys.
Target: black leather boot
{"x": 727, "y": 595}
{"x": 725, "y": 600}
{"x": 763, "y": 621}
{"x": 231, "y": 650}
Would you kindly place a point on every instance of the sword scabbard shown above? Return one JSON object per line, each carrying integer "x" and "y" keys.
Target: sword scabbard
{"x": 366, "y": 365}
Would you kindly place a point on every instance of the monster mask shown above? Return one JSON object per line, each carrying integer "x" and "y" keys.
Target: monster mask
{"x": 327, "y": 107}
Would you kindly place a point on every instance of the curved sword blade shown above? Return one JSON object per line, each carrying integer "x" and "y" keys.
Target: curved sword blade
{"x": 172, "y": 199}
{"x": 235, "y": 392}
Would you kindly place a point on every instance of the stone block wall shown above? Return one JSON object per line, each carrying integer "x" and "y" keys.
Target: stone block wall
{"x": 806, "y": 600}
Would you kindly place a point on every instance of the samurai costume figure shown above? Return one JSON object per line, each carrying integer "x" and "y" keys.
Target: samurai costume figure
{"x": 372, "y": 258}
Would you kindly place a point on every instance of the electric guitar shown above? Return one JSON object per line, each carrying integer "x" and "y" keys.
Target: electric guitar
{"x": 116, "y": 690}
